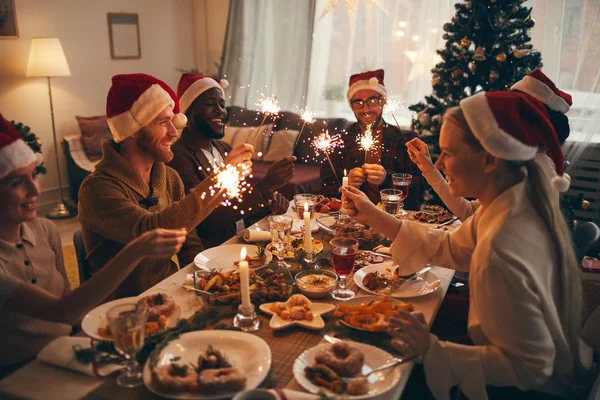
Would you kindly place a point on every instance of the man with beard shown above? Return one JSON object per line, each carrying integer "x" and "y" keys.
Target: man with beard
{"x": 366, "y": 96}
{"x": 202, "y": 99}
{"x": 132, "y": 191}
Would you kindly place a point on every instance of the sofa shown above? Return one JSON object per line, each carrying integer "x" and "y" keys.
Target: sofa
{"x": 274, "y": 141}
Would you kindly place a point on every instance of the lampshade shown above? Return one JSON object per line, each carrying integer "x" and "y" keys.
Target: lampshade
{"x": 46, "y": 58}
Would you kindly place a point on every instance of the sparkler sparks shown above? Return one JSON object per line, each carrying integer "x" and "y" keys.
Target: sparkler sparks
{"x": 325, "y": 143}
{"x": 308, "y": 118}
{"x": 367, "y": 141}
{"x": 231, "y": 180}
{"x": 268, "y": 105}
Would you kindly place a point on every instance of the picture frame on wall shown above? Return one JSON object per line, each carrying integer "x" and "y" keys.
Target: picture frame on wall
{"x": 8, "y": 20}
{"x": 124, "y": 36}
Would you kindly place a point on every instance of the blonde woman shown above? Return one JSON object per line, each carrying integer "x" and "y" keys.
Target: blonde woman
{"x": 525, "y": 293}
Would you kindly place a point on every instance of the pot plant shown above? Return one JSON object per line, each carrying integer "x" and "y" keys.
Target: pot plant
{"x": 334, "y": 95}
{"x": 32, "y": 141}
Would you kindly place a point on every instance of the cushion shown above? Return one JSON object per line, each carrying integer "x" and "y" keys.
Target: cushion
{"x": 281, "y": 145}
{"x": 93, "y": 131}
{"x": 237, "y": 135}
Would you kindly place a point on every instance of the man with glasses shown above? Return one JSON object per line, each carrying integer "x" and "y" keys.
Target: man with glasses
{"x": 366, "y": 96}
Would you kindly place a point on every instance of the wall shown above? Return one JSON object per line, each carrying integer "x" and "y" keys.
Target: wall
{"x": 167, "y": 41}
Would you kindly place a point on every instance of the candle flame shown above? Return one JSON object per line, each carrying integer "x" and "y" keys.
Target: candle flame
{"x": 243, "y": 253}
{"x": 306, "y": 206}
{"x": 345, "y": 173}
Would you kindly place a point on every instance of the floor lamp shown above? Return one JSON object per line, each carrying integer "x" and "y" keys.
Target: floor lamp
{"x": 47, "y": 59}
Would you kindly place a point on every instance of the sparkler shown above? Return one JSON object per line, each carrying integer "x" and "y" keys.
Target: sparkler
{"x": 392, "y": 105}
{"x": 325, "y": 143}
{"x": 308, "y": 118}
{"x": 229, "y": 183}
{"x": 269, "y": 106}
{"x": 367, "y": 141}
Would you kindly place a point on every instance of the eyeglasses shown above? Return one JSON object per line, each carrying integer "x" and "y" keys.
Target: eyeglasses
{"x": 374, "y": 101}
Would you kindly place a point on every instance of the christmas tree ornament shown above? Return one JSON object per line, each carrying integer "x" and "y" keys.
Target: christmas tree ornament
{"x": 447, "y": 27}
{"x": 473, "y": 66}
{"x": 477, "y": 26}
{"x": 493, "y": 1}
{"x": 500, "y": 20}
{"x": 585, "y": 205}
{"x": 520, "y": 53}
{"x": 529, "y": 22}
{"x": 436, "y": 120}
{"x": 514, "y": 10}
{"x": 493, "y": 75}
{"x": 437, "y": 81}
{"x": 445, "y": 36}
{"x": 479, "y": 54}
{"x": 468, "y": 6}
{"x": 501, "y": 58}
{"x": 465, "y": 42}
{"x": 454, "y": 20}
{"x": 425, "y": 120}
{"x": 540, "y": 65}
{"x": 457, "y": 73}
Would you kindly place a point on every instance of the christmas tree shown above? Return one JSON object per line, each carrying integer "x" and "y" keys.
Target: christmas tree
{"x": 487, "y": 48}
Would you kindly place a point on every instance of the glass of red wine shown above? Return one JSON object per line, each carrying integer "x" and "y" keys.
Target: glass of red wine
{"x": 402, "y": 183}
{"x": 343, "y": 255}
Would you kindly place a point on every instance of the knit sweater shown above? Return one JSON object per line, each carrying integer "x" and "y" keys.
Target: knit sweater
{"x": 113, "y": 210}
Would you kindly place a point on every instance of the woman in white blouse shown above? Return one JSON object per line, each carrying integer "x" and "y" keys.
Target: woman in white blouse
{"x": 525, "y": 293}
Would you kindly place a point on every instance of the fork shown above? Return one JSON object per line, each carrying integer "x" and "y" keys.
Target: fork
{"x": 389, "y": 364}
{"x": 401, "y": 281}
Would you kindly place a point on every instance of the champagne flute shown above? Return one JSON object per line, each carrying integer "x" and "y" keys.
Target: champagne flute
{"x": 343, "y": 255}
{"x": 127, "y": 323}
{"x": 280, "y": 227}
{"x": 402, "y": 182}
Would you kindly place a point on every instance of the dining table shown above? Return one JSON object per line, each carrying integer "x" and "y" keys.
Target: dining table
{"x": 38, "y": 380}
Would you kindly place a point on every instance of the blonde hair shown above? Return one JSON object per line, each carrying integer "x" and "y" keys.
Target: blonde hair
{"x": 569, "y": 306}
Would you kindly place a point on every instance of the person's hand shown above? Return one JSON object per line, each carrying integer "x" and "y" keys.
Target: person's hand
{"x": 357, "y": 204}
{"x": 278, "y": 204}
{"x": 356, "y": 177}
{"x": 376, "y": 174}
{"x": 280, "y": 173}
{"x": 419, "y": 154}
{"x": 160, "y": 242}
{"x": 240, "y": 157}
{"x": 410, "y": 334}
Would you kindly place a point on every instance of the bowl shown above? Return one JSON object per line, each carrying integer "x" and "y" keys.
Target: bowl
{"x": 330, "y": 226}
{"x": 316, "y": 283}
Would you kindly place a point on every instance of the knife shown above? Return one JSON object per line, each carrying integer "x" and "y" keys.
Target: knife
{"x": 446, "y": 223}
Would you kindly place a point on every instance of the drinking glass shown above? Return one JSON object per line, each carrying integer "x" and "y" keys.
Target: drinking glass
{"x": 391, "y": 199}
{"x": 280, "y": 227}
{"x": 300, "y": 200}
{"x": 127, "y": 323}
{"x": 343, "y": 255}
{"x": 402, "y": 182}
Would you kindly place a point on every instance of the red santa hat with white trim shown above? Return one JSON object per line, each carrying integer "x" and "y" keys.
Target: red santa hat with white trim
{"x": 193, "y": 85}
{"x": 511, "y": 126}
{"x": 14, "y": 152}
{"x": 538, "y": 85}
{"x": 370, "y": 80}
{"x": 134, "y": 100}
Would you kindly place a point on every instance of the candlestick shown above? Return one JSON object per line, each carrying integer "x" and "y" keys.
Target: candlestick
{"x": 344, "y": 180}
{"x": 307, "y": 233}
{"x": 343, "y": 216}
{"x": 244, "y": 280}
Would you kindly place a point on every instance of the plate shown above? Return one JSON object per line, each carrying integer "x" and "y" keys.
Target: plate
{"x": 247, "y": 352}
{"x": 223, "y": 257}
{"x": 298, "y": 226}
{"x": 96, "y": 318}
{"x": 429, "y": 282}
{"x": 277, "y": 323}
{"x": 379, "y": 383}
{"x": 359, "y": 300}
{"x": 317, "y": 247}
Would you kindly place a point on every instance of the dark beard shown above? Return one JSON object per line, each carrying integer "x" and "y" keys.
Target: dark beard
{"x": 203, "y": 127}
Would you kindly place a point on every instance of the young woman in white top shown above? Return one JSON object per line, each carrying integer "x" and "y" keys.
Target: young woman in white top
{"x": 535, "y": 84}
{"x": 525, "y": 291}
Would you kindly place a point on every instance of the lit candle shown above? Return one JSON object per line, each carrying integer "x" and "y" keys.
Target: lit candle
{"x": 307, "y": 235}
{"x": 244, "y": 280}
{"x": 345, "y": 179}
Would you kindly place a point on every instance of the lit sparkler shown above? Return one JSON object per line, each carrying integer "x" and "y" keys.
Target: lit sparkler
{"x": 268, "y": 106}
{"x": 393, "y": 104}
{"x": 230, "y": 183}
{"x": 367, "y": 141}
{"x": 308, "y": 118}
{"x": 325, "y": 143}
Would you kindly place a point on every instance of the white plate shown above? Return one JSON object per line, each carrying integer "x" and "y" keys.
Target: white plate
{"x": 360, "y": 300}
{"x": 223, "y": 257}
{"x": 429, "y": 282}
{"x": 277, "y": 323}
{"x": 298, "y": 225}
{"x": 96, "y": 318}
{"x": 246, "y": 352}
{"x": 379, "y": 382}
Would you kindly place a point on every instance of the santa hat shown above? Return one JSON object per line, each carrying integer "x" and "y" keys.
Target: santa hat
{"x": 511, "y": 125}
{"x": 14, "y": 152}
{"x": 370, "y": 80}
{"x": 193, "y": 85}
{"x": 538, "y": 85}
{"x": 134, "y": 100}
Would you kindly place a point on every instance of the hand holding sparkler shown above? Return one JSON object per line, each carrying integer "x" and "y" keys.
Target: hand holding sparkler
{"x": 241, "y": 157}
{"x": 376, "y": 174}
{"x": 356, "y": 177}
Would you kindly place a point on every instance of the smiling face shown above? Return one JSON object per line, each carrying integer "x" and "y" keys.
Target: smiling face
{"x": 156, "y": 138}
{"x": 367, "y": 106}
{"x": 207, "y": 114}
{"x": 19, "y": 191}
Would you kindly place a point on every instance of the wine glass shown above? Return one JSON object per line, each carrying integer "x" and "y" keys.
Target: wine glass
{"x": 391, "y": 199}
{"x": 402, "y": 182}
{"x": 343, "y": 255}
{"x": 127, "y": 323}
{"x": 280, "y": 227}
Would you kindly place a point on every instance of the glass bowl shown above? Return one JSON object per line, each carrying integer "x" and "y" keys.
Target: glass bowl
{"x": 316, "y": 283}
{"x": 330, "y": 227}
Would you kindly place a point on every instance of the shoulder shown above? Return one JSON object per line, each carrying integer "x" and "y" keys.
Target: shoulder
{"x": 172, "y": 175}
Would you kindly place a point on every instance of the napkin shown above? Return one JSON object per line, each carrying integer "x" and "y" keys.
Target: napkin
{"x": 252, "y": 235}
{"x": 60, "y": 353}
{"x": 298, "y": 226}
{"x": 382, "y": 250}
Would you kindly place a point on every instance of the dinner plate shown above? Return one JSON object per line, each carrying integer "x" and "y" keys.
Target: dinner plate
{"x": 429, "y": 282}
{"x": 277, "y": 323}
{"x": 96, "y": 318}
{"x": 223, "y": 257}
{"x": 246, "y": 352}
{"x": 379, "y": 382}
{"x": 360, "y": 300}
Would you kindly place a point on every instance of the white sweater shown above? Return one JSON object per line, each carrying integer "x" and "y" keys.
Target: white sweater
{"x": 514, "y": 295}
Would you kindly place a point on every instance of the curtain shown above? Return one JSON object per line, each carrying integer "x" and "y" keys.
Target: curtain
{"x": 267, "y": 51}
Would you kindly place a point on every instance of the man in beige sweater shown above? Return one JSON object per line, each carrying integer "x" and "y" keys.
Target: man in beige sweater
{"x": 132, "y": 191}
